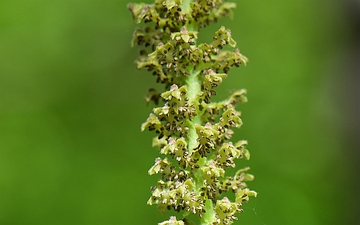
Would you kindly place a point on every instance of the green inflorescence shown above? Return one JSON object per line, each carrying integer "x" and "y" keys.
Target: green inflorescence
{"x": 193, "y": 132}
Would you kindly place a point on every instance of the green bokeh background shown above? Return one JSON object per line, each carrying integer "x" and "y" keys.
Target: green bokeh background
{"x": 71, "y": 106}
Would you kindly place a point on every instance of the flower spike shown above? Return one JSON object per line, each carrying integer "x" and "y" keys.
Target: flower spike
{"x": 193, "y": 131}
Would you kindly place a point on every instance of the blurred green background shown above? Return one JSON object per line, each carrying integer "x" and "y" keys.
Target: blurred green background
{"x": 71, "y": 106}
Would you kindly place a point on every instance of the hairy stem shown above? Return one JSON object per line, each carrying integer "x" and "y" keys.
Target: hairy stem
{"x": 194, "y": 88}
{"x": 186, "y": 6}
{"x": 209, "y": 216}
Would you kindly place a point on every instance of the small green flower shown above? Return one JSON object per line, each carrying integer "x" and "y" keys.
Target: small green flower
{"x": 225, "y": 211}
{"x": 172, "y": 221}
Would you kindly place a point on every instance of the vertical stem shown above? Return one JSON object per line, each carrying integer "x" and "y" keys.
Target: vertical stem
{"x": 194, "y": 89}
{"x": 186, "y": 8}
{"x": 208, "y": 217}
